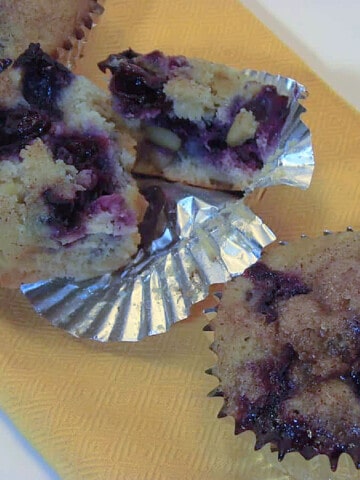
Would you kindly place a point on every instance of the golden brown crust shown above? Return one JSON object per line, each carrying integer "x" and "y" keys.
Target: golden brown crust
{"x": 55, "y": 25}
{"x": 287, "y": 339}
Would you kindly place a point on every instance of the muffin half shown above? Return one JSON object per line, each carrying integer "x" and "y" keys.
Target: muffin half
{"x": 67, "y": 207}
{"x": 196, "y": 121}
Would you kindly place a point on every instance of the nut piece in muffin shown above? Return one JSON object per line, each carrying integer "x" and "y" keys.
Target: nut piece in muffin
{"x": 287, "y": 337}
{"x": 196, "y": 121}
{"x": 59, "y": 25}
{"x": 67, "y": 207}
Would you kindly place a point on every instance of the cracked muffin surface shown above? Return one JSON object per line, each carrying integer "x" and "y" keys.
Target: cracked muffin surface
{"x": 287, "y": 337}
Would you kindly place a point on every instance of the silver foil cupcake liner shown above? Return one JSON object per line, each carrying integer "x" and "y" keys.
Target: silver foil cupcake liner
{"x": 293, "y": 161}
{"x": 202, "y": 238}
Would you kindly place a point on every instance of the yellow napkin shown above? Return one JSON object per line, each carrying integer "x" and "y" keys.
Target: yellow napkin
{"x": 140, "y": 411}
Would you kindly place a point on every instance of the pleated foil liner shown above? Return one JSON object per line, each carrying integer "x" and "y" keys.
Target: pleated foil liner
{"x": 293, "y": 161}
{"x": 202, "y": 238}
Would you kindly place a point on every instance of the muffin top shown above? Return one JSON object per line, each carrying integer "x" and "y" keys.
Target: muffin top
{"x": 287, "y": 336}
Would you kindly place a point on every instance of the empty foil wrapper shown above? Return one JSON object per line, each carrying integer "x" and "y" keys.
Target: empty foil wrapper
{"x": 192, "y": 238}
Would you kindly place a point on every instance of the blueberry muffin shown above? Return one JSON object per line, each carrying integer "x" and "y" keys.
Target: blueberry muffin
{"x": 67, "y": 207}
{"x": 56, "y": 25}
{"x": 287, "y": 337}
{"x": 196, "y": 122}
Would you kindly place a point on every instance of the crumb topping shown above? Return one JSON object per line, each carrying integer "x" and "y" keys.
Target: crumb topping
{"x": 287, "y": 338}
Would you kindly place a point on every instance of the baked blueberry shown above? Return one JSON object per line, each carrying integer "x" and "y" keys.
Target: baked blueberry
{"x": 67, "y": 205}
{"x": 196, "y": 121}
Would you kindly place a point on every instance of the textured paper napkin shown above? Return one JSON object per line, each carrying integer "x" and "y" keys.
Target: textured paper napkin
{"x": 140, "y": 411}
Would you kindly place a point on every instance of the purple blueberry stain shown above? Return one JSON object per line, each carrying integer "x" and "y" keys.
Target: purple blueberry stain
{"x": 270, "y": 286}
{"x": 43, "y": 79}
{"x": 261, "y": 414}
{"x": 5, "y": 63}
{"x": 89, "y": 154}
{"x": 19, "y": 126}
{"x": 115, "y": 205}
{"x": 137, "y": 86}
{"x": 212, "y": 144}
{"x": 268, "y": 107}
{"x": 83, "y": 151}
{"x": 137, "y": 82}
{"x": 160, "y": 220}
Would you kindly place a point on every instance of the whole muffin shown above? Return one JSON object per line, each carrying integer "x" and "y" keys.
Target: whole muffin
{"x": 287, "y": 337}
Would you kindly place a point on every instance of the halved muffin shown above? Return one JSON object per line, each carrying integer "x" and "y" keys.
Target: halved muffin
{"x": 67, "y": 207}
{"x": 196, "y": 121}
